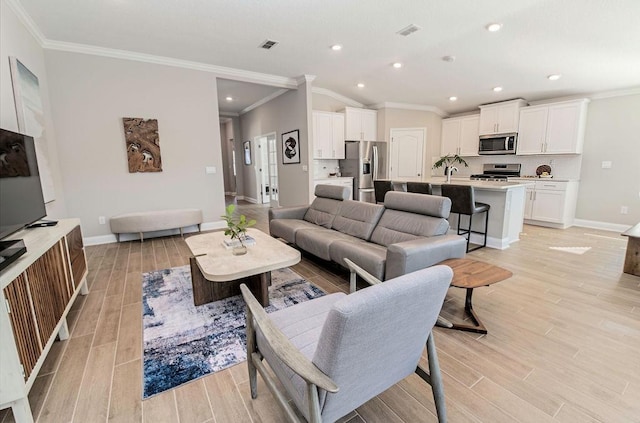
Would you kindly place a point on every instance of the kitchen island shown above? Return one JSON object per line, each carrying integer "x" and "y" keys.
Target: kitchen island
{"x": 506, "y": 216}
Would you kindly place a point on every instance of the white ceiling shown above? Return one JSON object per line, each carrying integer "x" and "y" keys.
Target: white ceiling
{"x": 594, "y": 44}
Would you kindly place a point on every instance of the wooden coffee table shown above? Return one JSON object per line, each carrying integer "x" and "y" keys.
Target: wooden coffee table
{"x": 470, "y": 274}
{"x": 216, "y": 273}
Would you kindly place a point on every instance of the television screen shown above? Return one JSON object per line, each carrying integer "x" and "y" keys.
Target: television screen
{"x": 21, "y": 201}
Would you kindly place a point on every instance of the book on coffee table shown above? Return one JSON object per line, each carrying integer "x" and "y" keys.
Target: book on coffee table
{"x": 229, "y": 243}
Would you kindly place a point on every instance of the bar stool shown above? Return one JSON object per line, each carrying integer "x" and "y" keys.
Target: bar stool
{"x": 380, "y": 188}
{"x": 419, "y": 187}
{"x": 463, "y": 202}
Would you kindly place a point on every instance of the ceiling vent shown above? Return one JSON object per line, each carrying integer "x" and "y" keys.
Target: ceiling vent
{"x": 268, "y": 44}
{"x": 409, "y": 30}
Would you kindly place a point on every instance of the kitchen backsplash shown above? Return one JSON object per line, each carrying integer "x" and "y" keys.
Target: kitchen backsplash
{"x": 322, "y": 168}
{"x": 562, "y": 166}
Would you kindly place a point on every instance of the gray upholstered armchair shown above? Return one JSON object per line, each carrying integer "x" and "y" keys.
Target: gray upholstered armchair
{"x": 334, "y": 353}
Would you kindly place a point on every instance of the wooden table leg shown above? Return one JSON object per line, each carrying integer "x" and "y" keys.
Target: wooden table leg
{"x": 478, "y": 327}
{"x": 202, "y": 288}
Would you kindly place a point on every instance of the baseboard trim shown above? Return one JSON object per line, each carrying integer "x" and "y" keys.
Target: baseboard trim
{"x": 111, "y": 238}
{"x": 605, "y": 226}
{"x": 250, "y": 200}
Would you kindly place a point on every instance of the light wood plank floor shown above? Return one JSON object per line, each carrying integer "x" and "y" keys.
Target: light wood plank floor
{"x": 563, "y": 343}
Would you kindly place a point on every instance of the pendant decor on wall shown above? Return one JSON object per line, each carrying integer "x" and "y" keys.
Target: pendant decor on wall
{"x": 143, "y": 145}
{"x": 30, "y": 115}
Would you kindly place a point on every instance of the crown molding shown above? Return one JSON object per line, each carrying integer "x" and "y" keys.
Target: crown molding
{"x": 346, "y": 100}
{"x": 26, "y": 20}
{"x": 617, "y": 93}
{"x": 406, "y": 106}
{"x": 219, "y": 71}
{"x": 305, "y": 78}
{"x": 263, "y": 101}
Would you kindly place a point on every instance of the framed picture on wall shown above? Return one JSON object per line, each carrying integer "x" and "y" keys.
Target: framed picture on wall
{"x": 247, "y": 152}
{"x": 291, "y": 147}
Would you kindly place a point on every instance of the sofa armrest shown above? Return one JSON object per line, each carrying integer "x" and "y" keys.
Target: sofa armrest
{"x": 409, "y": 256}
{"x": 296, "y": 212}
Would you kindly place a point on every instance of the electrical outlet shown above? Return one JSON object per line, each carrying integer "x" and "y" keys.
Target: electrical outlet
{"x": 552, "y": 162}
{"x": 607, "y": 164}
{"x": 102, "y": 220}
{"x": 624, "y": 210}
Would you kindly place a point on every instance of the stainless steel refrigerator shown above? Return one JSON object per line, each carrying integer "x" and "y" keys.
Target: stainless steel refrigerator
{"x": 365, "y": 161}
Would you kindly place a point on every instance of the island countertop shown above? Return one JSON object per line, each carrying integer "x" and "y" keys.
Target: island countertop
{"x": 480, "y": 185}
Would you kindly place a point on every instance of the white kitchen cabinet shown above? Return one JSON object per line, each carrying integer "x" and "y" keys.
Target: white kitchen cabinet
{"x": 460, "y": 135}
{"x": 551, "y": 203}
{"x": 360, "y": 124}
{"x": 500, "y": 118}
{"x": 328, "y": 135}
{"x": 554, "y": 128}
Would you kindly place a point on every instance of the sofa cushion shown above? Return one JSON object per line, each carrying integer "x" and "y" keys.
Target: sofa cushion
{"x": 287, "y": 228}
{"x": 399, "y": 226}
{"x": 326, "y": 205}
{"x": 429, "y": 205}
{"x": 357, "y": 218}
{"x": 371, "y": 257}
{"x": 317, "y": 241}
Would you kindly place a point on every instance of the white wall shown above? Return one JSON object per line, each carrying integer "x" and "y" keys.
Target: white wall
{"x": 16, "y": 41}
{"x": 612, "y": 134}
{"x": 89, "y": 97}
{"x": 285, "y": 113}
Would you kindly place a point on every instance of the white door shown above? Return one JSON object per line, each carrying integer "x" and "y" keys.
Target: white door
{"x": 273, "y": 169}
{"x": 407, "y": 148}
{"x": 262, "y": 169}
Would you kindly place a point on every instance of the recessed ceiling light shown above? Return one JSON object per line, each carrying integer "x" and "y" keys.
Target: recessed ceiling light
{"x": 397, "y": 65}
{"x": 360, "y": 85}
{"x": 336, "y": 47}
{"x": 229, "y": 98}
{"x": 449, "y": 58}
{"x": 494, "y": 27}
{"x": 554, "y": 77}
{"x": 453, "y": 98}
{"x": 497, "y": 89}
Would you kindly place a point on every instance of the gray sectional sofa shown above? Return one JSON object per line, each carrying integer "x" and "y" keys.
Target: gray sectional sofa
{"x": 407, "y": 233}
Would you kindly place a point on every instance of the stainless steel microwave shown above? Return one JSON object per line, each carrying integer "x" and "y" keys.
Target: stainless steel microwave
{"x": 498, "y": 144}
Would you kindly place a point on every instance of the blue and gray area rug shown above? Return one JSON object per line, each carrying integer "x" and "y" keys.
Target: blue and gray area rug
{"x": 183, "y": 342}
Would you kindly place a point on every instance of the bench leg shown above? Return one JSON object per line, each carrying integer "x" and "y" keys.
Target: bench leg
{"x": 141, "y": 237}
{"x": 181, "y": 233}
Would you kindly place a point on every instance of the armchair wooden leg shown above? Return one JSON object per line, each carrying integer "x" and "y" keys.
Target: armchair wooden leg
{"x": 352, "y": 281}
{"x": 436, "y": 380}
{"x": 251, "y": 348}
{"x": 314, "y": 403}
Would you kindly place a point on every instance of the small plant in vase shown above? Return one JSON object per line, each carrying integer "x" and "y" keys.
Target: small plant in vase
{"x": 447, "y": 162}
{"x": 237, "y": 229}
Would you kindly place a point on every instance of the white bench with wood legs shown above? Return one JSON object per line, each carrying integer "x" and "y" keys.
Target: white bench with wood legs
{"x": 150, "y": 221}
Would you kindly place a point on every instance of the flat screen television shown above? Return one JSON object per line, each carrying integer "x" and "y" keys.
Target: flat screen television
{"x": 21, "y": 200}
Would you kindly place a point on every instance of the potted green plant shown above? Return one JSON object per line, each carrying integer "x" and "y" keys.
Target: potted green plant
{"x": 237, "y": 229}
{"x": 447, "y": 161}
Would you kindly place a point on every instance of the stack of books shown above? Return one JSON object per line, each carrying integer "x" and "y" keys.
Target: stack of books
{"x": 229, "y": 243}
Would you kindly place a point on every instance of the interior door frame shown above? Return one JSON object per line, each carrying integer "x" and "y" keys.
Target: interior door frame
{"x": 391, "y": 151}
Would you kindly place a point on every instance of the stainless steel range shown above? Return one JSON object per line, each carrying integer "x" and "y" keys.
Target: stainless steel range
{"x": 498, "y": 172}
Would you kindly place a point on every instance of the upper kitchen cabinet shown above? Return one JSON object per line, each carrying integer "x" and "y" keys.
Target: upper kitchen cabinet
{"x": 500, "y": 118}
{"x": 361, "y": 124}
{"x": 553, "y": 128}
{"x": 460, "y": 136}
{"x": 328, "y": 135}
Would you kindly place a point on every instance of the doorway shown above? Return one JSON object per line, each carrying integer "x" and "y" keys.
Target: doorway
{"x": 266, "y": 169}
{"x": 406, "y": 159}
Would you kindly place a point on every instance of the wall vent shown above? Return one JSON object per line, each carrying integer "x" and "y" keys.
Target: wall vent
{"x": 409, "y": 30}
{"x": 268, "y": 44}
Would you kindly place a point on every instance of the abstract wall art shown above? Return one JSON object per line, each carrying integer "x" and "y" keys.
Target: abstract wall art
{"x": 30, "y": 115}
{"x": 143, "y": 145}
{"x": 291, "y": 147}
